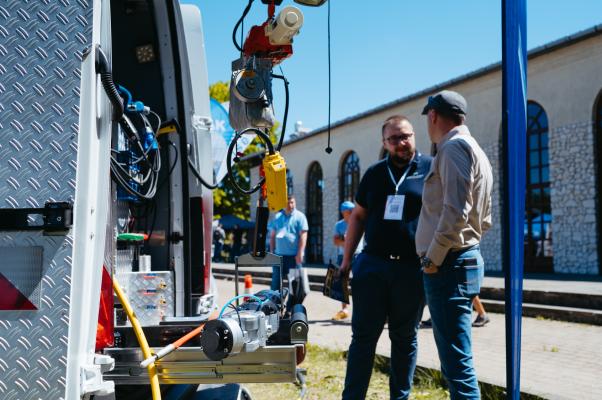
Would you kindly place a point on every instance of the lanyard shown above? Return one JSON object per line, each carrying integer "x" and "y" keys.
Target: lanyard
{"x": 403, "y": 177}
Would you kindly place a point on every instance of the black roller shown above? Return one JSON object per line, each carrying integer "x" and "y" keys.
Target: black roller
{"x": 216, "y": 340}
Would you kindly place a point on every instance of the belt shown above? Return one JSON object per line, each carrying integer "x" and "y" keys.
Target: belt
{"x": 390, "y": 256}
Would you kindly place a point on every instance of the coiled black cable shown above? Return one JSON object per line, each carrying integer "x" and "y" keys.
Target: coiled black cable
{"x": 266, "y": 140}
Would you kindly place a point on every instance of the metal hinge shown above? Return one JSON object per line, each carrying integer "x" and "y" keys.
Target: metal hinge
{"x": 57, "y": 218}
{"x": 91, "y": 377}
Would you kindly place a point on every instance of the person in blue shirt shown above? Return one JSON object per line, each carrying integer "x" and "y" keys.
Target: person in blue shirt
{"x": 340, "y": 231}
{"x": 288, "y": 236}
{"x": 387, "y": 279}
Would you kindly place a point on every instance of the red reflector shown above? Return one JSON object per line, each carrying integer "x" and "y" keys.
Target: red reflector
{"x": 104, "y": 328}
{"x": 11, "y": 298}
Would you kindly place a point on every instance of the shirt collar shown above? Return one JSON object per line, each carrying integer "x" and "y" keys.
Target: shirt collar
{"x": 458, "y": 130}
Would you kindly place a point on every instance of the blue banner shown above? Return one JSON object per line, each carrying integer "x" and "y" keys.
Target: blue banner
{"x": 514, "y": 120}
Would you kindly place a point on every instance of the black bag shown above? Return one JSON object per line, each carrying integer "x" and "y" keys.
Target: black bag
{"x": 334, "y": 287}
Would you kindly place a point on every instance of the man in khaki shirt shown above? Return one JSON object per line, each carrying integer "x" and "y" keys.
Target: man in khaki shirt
{"x": 456, "y": 211}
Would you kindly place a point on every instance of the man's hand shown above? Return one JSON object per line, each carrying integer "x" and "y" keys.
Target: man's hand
{"x": 431, "y": 269}
{"x": 299, "y": 259}
{"x": 344, "y": 269}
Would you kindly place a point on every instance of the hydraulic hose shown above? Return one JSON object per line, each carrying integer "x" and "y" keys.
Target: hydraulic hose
{"x": 106, "y": 78}
{"x": 177, "y": 344}
{"x": 152, "y": 371}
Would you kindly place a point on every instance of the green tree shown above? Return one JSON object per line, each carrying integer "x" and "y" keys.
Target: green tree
{"x": 226, "y": 200}
{"x": 220, "y": 91}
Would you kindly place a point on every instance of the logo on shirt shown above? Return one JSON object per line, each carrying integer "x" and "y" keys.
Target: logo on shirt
{"x": 415, "y": 176}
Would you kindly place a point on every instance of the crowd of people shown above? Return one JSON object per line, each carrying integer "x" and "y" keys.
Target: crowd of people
{"x": 410, "y": 240}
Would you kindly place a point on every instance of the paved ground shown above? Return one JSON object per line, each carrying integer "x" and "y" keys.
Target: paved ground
{"x": 546, "y": 283}
{"x": 560, "y": 360}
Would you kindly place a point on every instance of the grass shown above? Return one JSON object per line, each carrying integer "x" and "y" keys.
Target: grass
{"x": 326, "y": 376}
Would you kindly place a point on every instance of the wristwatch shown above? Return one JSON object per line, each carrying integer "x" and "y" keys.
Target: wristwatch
{"x": 426, "y": 263}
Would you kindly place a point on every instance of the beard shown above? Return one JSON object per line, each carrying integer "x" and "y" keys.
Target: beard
{"x": 401, "y": 159}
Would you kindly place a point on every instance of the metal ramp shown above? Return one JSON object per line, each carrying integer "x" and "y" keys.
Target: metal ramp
{"x": 49, "y": 118}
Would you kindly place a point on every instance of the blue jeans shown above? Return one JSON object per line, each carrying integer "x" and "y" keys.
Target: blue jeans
{"x": 449, "y": 294}
{"x": 390, "y": 292}
{"x": 288, "y": 262}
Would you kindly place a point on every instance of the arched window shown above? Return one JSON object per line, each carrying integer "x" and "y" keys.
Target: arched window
{"x": 349, "y": 180}
{"x": 315, "y": 187}
{"x": 538, "y": 208}
{"x": 289, "y": 182}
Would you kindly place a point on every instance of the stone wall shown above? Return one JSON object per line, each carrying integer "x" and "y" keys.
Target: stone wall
{"x": 491, "y": 242}
{"x": 573, "y": 177}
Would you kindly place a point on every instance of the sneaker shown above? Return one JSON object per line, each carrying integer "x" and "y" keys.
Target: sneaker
{"x": 341, "y": 315}
{"x": 480, "y": 321}
{"x": 426, "y": 324}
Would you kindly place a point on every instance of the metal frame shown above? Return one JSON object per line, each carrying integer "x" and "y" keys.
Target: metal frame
{"x": 189, "y": 365}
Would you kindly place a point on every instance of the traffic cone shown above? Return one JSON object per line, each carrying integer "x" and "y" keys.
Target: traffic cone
{"x": 248, "y": 285}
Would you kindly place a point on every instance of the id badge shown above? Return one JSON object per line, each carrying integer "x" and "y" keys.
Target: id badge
{"x": 394, "y": 207}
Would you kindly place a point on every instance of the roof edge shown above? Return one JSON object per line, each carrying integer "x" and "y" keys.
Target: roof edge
{"x": 535, "y": 52}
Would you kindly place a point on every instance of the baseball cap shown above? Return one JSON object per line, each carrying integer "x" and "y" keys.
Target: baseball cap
{"x": 446, "y": 102}
{"x": 347, "y": 206}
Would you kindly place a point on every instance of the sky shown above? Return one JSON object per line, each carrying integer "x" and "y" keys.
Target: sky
{"x": 382, "y": 50}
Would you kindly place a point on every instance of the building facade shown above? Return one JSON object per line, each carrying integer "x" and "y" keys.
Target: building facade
{"x": 563, "y": 216}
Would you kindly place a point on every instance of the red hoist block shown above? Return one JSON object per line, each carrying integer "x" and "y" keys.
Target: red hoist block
{"x": 258, "y": 44}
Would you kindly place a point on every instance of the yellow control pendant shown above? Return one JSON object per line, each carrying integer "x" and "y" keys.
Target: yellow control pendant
{"x": 274, "y": 169}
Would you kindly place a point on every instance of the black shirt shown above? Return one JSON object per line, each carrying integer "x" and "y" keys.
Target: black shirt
{"x": 387, "y": 237}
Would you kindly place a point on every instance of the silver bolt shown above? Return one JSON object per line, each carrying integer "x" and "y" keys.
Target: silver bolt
{"x": 299, "y": 329}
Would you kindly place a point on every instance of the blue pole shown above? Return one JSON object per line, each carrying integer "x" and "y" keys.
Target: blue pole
{"x": 514, "y": 121}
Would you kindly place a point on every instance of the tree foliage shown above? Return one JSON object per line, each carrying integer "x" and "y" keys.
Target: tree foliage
{"x": 226, "y": 200}
{"x": 220, "y": 91}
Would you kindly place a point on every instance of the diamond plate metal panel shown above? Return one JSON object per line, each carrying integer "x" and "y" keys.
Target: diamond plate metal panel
{"x": 33, "y": 344}
{"x": 41, "y": 43}
{"x": 151, "y": 295}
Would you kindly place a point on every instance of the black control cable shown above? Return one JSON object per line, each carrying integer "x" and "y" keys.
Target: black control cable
{"x": 328, "y": 149}
{"x": 286, "y": 102}
{"x": 270, "y": 146}
{"x": 118, "y": 170}
{"x": 197, "y": 174}
{"x": 242, "y": 17}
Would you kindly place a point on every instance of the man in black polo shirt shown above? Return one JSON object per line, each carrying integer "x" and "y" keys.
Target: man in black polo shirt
{"x": 387, "y": 280}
